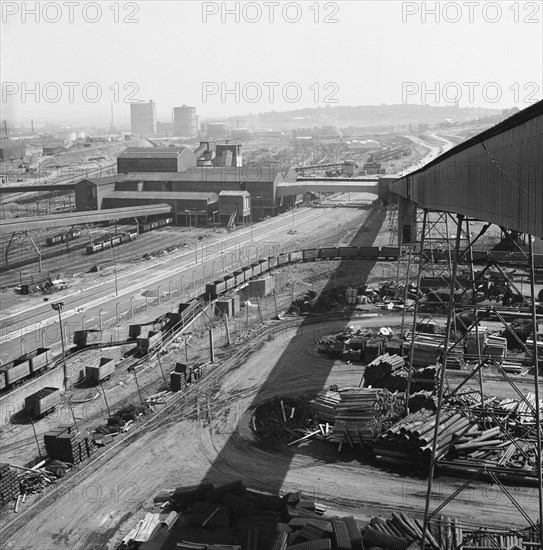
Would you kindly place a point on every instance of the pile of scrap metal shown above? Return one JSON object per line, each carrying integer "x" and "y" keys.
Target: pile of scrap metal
{"x": 233, "y": 516}
{"x": 358, "y": 344}
{"x": 117, "y": 423}
{"x": 285, "y": 421}
{"x": 497, "y": 436}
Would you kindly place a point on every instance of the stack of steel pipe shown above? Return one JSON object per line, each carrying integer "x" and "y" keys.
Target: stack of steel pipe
{"x": 443, "y": 533}
{"x": 412, "y": 439}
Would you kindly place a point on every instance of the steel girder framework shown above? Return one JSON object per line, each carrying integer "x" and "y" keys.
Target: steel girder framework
{"x": 463, "y": 251}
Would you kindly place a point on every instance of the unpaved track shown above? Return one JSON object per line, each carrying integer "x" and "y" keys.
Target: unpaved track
{"x": 180, "y": 451}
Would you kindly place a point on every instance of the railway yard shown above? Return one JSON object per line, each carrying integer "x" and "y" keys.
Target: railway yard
{"x": 207, "y": 432}
{"x": 301, "y": 382}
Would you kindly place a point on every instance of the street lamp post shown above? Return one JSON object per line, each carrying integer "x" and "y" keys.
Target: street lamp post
{"x": 181, "y": 290}
{"x": 58, "y": 307}
{"x": 194, "y": 281}
{"x": 170, "y": 289}
{"x": 100, "y": 318}
{"x": 115, "y": 270}
{"x": 83, "y": 317}
{"x": 131, "y": 307}
{"x": 213, "y": 267}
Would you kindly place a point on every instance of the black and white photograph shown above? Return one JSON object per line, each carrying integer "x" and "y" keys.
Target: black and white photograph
{"x": 271, "y": 275}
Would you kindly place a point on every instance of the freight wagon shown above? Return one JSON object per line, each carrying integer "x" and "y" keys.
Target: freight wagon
{"x": 326, "y": 253}
{"x": 147, "y": 344}
{"x": 14, "y": 372}
{"x": 97, "y": 373}
{"x": 348, "y": 251}
{"x": 310, "y": 254}
{"x": 62, "y": 237}
{"x": 42, "y": 402}
{"x": 38, "y": 359}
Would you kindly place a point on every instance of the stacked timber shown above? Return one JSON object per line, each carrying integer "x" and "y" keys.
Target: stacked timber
{"x": 411, "y": 440}
{"x": 9, "y": 485}
{"x": 66, "y": 445}
{"x": 325, "y": 404}
{"x": 474, "y": 336}
{"x": 260, "y": 520}
{"x": 496, "y": 348}
{"x": 428, "y": 349}
{"x": 355, "y": 417}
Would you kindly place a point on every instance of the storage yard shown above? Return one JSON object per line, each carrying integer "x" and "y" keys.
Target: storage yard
{"x": 360, "y": 371}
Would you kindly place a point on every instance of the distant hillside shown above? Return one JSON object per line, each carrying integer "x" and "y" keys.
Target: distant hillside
{"x": 366, "y": 115}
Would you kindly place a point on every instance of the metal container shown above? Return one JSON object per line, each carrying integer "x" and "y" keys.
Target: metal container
{"x": 97, "y": 373}
{"x": 296, "y": 256}
{"x": 38, "y": 358}
{"x": 42, "y": 401}
{"x": 15, "y": 370}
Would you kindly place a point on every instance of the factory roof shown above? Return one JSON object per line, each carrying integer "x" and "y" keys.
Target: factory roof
{"x": 152, "y": 152}
{"x": 163, "y": 195}
{"x": 229, "y": 193}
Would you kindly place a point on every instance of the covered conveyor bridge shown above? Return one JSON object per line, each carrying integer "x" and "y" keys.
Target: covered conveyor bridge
{"x": 327, "y": 185}
{"x": 496, "y": 176}
{"x": 7, "y": 189}
{"x": 79, "y": 218}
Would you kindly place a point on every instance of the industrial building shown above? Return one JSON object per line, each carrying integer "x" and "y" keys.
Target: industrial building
{"x": 155, "y": 159}
{"x": 259, "y": 182}
{"x": 11, "y": 149}
{"x": 185, "y": 122}
{"x": 143, "y": 118}
{"x": 234, "y": 206}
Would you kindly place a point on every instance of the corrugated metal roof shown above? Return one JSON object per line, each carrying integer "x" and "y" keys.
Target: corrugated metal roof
{"x": 234, "y": 194}
{"x": 152, "y": 152}
{"x": 163, "y": 195}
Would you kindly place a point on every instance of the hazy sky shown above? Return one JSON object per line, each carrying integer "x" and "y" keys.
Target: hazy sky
{"x": 485, "y": 54}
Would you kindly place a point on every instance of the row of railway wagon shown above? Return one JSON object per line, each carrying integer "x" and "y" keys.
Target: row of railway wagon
{"x": 28, "y": 365}
{"x": 115, "y": 240}
{"x": 63, "y": 237}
